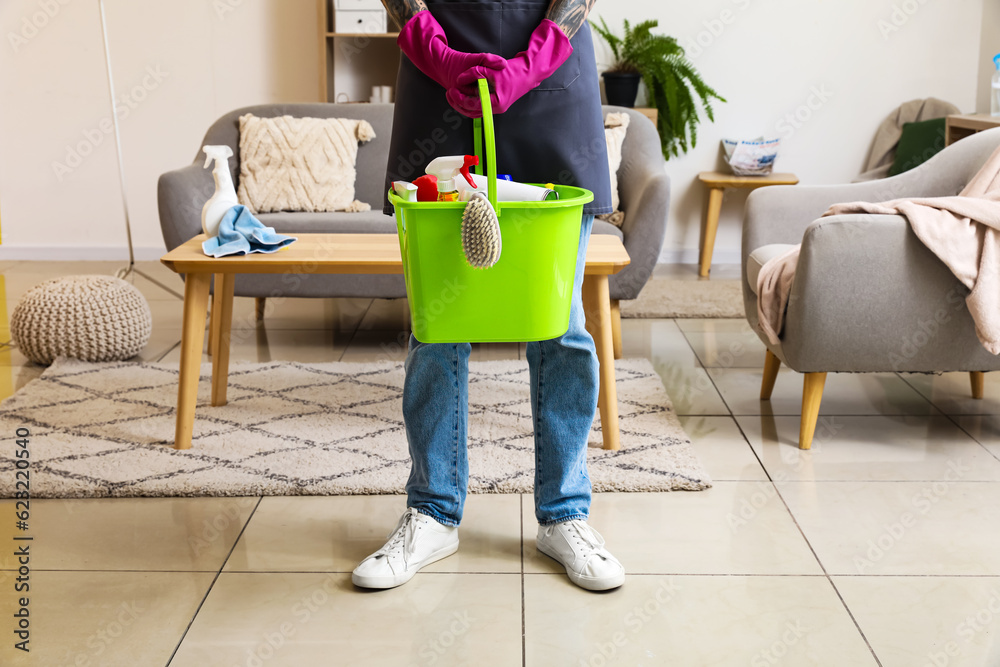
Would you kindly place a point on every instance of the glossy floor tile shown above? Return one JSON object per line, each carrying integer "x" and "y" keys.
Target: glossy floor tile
{"x": 334, "y": 534}
{"x": 299, "y": 619}
{"x": 893, "y": 612}
{"x": 722, "y": 449}
{"x": 952, "y": 392}
{"x": 732, "y": 528}
{"x": 884, "y": 531}
{"x": 945, "y": 527}
{"x": 877, "y": 448}
{"x": 112, "y": 619}
{"x": 171, "y": 534}
{"x": 844, "y": 393}
{"x": 679, "y": 620}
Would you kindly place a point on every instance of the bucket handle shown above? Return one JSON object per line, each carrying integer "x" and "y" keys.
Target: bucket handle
{"x": 490, "y": 140}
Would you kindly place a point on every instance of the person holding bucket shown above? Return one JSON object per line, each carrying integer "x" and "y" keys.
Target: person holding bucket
{"x": 539, "y": 60}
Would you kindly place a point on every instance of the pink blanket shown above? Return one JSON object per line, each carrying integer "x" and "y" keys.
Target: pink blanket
{"x": 963, "y": 231}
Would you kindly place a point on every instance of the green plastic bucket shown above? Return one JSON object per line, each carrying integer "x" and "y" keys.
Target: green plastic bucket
{"x": 525, "y": 296}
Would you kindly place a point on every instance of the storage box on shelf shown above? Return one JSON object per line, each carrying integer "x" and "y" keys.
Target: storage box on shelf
{"x": 357, "y": 49}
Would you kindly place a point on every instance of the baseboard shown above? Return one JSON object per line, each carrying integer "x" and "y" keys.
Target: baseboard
{"x": 690, "y": 256}
{"x": 78, "y": 253}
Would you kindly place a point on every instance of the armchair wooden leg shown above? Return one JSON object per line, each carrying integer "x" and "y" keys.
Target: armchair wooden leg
{"x": 978, "y": 379}
{"x": 616, "y": 327}
{"x": 771, "y": 365}
{"x": 260, "y": 301}
{"x": 812, "y": 395}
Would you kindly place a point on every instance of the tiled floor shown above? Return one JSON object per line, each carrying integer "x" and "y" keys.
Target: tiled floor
{"x": 880, "y": 546}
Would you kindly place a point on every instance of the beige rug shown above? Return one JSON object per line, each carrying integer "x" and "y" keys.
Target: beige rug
{"x": 320, "y": 429}
{"x": 686, "y": 299}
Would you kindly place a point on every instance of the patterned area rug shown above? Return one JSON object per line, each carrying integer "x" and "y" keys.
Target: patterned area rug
{"x": 321, "y": 429}
{"x": 686, "y": 299}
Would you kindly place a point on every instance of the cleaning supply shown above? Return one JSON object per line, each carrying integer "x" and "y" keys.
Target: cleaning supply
{"x": 406, "y": 191}
{"x": 225, "y": 194}
{"x": 514, "y": 191}
{"x": 427, "y": 189}
{"x": 481, "y": 240}
{"x": 447, "y": 169}
{"x": 240, "y": 233}
{"x": 995, "y": 91}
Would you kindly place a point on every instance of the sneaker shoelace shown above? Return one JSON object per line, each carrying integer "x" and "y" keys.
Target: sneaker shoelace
{"x": 403, "y": 537}
{"x": 585, "y": 535}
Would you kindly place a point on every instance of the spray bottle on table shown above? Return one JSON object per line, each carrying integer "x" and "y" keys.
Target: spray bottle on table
{"x": 225, "y": 194}
{"x": 447, "y": 169}
{"x": 995, "y": 90}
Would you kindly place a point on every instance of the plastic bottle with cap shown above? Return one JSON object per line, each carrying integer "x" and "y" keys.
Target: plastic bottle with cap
{"x": 225, "y": 194}
{"x": 995, "y": 90}
{"x": 447, "y": 169}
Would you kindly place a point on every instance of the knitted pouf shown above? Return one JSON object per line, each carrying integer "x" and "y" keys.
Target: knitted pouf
{"x": 93, "y": 318}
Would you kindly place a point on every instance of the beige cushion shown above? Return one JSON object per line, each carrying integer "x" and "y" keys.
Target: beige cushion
{"x": 615, "y": 125}
{"x": 300, "y": 164}
{"x": 759, "y": 257}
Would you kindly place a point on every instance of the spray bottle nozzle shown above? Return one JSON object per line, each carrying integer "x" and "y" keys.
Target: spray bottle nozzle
{"x": 448, "y": 167}
{"x": 217, "y": 153}
{"x": 470, "y": 161}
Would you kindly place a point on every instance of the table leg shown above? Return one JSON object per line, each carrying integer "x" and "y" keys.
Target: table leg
{"x": 616, "y": 327}
{"x": 192, "y": 338}
{"x": 223, "y": 315}
{"x": 597, "y": 305}
{"x": 710, "y": 227}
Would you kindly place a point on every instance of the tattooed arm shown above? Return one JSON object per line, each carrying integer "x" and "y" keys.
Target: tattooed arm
{"x": 402, "y": 11}
{"x": 569, "y": 15}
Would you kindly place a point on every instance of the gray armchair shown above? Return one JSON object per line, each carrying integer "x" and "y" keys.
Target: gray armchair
{"x": 643, "y": 185}
{"x": 867, "y": 296}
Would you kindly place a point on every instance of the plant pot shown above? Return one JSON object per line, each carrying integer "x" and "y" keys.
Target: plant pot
{"x": 621, "y": 88}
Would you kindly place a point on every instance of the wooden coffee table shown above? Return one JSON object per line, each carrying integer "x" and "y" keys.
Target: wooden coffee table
{"x": 351, "y": 253}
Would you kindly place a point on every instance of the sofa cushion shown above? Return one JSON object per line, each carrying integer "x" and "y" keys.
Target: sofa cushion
{"x": 602, "y": 227}
{"x": 759, "y": 257}
{"x": 300, "y": 164}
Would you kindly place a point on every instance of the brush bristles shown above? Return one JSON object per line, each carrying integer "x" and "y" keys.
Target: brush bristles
{"x": 480, "y": 233}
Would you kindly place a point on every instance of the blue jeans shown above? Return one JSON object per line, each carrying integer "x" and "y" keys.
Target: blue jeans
{"x": 564, "y": 384}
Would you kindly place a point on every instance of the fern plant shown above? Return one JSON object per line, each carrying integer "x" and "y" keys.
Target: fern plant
{"x": 673, "y": 85}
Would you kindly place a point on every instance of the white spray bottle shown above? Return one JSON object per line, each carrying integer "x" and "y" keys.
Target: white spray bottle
{"x": 225, "y": 194}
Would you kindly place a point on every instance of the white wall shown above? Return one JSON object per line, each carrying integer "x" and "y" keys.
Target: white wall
{"x": 772, "y": 58}
{"x": 177, "y": 67}
{"x": 841, "y": 66}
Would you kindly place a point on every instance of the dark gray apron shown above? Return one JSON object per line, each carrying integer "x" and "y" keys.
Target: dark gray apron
{"x": 554, "y": 134}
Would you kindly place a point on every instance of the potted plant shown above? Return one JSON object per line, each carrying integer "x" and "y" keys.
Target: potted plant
{"x": 673, "y": 85}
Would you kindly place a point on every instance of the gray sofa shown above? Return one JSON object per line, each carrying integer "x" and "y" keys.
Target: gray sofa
{"x": 867, "y": 295}
{"x": 644, "y": 188}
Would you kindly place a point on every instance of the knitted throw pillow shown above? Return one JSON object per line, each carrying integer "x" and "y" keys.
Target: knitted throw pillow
{"x": 615, "y": 125}
{"x": 300, "y": 164}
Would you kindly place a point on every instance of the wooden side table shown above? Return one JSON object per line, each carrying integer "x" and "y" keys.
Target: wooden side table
{"x": 717, "y": 182}
{"x": 959, "y": 126}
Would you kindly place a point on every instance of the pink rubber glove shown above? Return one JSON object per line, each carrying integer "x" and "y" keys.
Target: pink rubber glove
{"x": 423, "y": 41}
{"x": 547, "y": 50}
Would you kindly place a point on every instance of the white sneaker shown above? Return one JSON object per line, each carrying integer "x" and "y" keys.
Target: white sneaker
{"x": 581, "y": 551}
{"x": 417, "y": 540}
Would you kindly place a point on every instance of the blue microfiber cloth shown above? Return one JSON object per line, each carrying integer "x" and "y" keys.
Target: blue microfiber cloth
{"x": 240, "y": 233}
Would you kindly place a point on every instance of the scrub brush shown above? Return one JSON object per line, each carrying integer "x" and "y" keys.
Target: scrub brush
{"x": 481, "y": 232}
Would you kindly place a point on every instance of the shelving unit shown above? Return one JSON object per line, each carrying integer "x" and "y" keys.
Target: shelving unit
{"x": 350, "y": 63}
